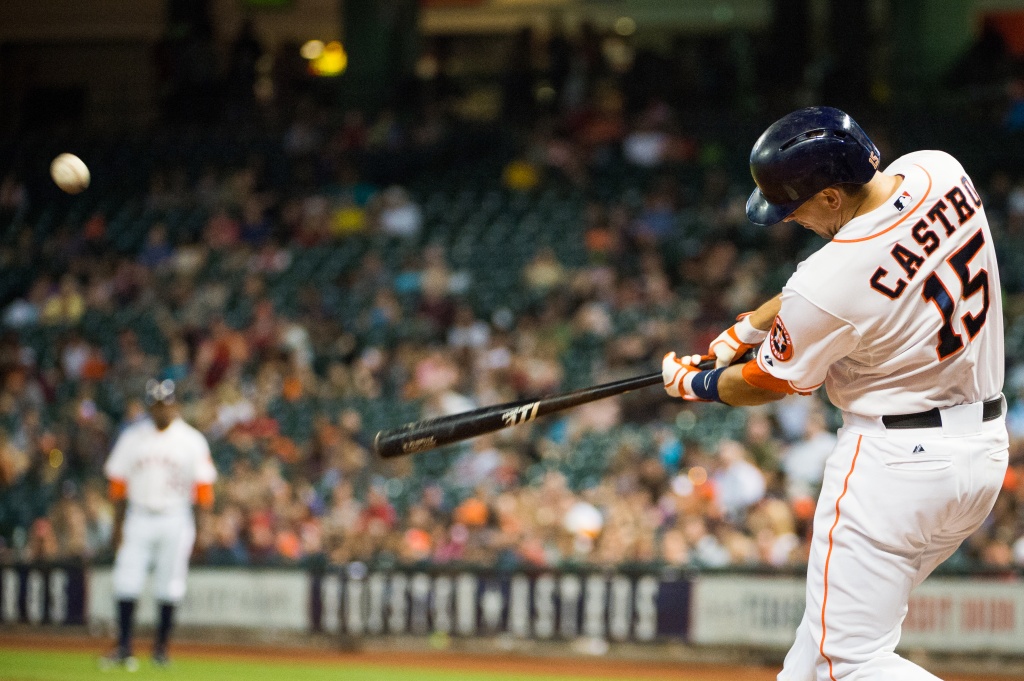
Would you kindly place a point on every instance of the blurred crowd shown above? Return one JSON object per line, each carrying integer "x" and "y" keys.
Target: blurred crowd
{"x": 644, "y": 248}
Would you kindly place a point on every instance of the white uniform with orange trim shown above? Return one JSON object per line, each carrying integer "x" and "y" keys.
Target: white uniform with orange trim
{"x": 162, "y": 472}
{"x": 900, "y": 313}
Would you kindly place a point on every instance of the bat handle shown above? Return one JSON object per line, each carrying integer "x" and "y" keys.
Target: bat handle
{"x": 706, "y": 362}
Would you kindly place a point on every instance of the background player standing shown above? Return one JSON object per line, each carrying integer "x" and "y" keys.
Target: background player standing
{"x": 157, "y": 470}
{"x": 900, "y": 317}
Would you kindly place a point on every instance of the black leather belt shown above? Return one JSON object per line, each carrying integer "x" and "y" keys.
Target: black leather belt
{"x": 990, "y": 411}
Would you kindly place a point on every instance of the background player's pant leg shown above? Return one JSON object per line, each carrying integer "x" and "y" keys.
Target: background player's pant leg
{"x": 164, "y": 624}
{"x": 133, "y": 556}
{"x": 125, "y": 625}
{"x": 177, "y": 535}
{"x": 886, "y": 516}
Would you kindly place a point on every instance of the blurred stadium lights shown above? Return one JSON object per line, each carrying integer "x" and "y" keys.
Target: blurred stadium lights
{"x": 427, "y": 66}
{"x": 545, "y": 93}
{"x": 618, "y": 54}
{"x": 325, "y": 60}
{"x": 625, "y": 26}
{"x": 312, "y": 49}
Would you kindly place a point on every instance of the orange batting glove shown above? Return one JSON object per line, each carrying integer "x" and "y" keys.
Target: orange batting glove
{"x": 677, "y": 373}
{"x": 735, "y": 340}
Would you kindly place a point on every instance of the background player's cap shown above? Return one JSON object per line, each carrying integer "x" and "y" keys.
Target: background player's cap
{"x": 802, "y": 153}
{"x": 159, "y": 391}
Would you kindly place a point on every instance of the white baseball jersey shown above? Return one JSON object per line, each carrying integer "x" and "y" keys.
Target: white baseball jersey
{"x": 161, "y": 468}
{"x": 901, "y": 311}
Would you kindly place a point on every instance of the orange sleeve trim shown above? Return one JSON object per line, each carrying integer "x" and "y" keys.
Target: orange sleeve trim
{"x": 759, "y": 378}
{"x": 117, "y": 489}
{"x": 204, "y": 494}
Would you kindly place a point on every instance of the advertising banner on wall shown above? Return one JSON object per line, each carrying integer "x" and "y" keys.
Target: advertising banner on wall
{"x": 225, "y": 597}
{"x": 613, "y": 606}
{"x": 760, "y": 611}
{"x": 944, "y": 614}
{"x": 42, "y": 594}
{"x": 960, "y": 615}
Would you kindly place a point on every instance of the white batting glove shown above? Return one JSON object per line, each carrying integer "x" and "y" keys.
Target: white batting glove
{"x": 735, "y": 340}
{"x": 677, "y": 374}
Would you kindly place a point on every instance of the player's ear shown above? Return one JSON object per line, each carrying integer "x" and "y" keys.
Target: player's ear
{"x": 833, "y": 197}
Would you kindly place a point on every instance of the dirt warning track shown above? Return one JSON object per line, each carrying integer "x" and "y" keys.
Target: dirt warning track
{"x": 569, "y": 667}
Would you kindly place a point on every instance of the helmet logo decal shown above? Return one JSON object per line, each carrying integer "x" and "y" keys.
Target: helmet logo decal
{"x": 873, "y": 160}
{"x": 779, "y": 341}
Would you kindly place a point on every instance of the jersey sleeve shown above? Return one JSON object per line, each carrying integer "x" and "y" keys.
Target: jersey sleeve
{"x": 205, "y": 472}
{"x": 116, "y": 467}
{"x": 803, "y": 343}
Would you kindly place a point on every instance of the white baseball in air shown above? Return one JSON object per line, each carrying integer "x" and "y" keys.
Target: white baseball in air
{"x": 70, "y": 173}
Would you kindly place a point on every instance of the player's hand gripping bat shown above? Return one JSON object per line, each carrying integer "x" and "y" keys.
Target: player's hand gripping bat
{"x": 420, "y": 436}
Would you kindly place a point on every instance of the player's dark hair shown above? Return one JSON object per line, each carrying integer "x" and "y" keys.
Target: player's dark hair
{"x": 853, "y": 189}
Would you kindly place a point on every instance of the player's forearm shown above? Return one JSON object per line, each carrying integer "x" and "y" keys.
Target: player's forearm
{"x": 734, "y": 390}
{"x": 201, "y": 515}
{"x": 120, "y": 508}
{"x": 762, "y": 317}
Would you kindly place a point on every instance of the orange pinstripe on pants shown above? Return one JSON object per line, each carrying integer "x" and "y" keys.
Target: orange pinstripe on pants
{"x": 824, "y": 600}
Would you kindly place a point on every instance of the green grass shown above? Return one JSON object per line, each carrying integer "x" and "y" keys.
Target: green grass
{"x": 33, "y": 665}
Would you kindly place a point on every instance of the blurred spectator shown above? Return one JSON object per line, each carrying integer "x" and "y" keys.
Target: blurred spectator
{"x": 43, "y": 545}
{"x": 99, "y": 520}
{"x": 544, "y": 272}
{"x": 467, "y": 331}
{"x": 301, "y": 310}
{"x": 707, "y": 551}
{"x": 74, "y": 356}
{"x": 738, "y": 482}
{"x": 657, "y": 219}
{"x": 1015, "y": 209}
{"x": 349, "y": 218}
{"x": 65, "y": 306}
{"x": 256, "y": 227}
{"x": 26, "y": 311}
{"x": 13, "y": 198}
{"x": 156, "y": 252}
{"x": 520, "y": 175}
{"x": 646, "y": 146}
{"x": 222, "y": 231}
{"x": 804, "y": 461}
{"x": 14, "y": 462}
{"x": 399, "y": 216}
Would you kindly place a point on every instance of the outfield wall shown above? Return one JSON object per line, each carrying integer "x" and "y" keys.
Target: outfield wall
{"x": 946, "y": 614}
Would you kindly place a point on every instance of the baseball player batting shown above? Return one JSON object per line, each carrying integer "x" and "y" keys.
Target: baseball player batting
{"x": 157, "y": 470}
{"x": 899, "y": 317}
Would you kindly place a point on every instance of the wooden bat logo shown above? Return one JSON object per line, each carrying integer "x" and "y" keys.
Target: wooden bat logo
{"x": 419, "y": 445}
{"x": 523, "y": 414}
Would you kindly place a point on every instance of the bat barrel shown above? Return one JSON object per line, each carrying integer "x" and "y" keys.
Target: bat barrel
{"x": 431, "y": 433}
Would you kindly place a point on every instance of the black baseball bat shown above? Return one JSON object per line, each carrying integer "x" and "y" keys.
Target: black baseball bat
{"x": 421, "y": 436}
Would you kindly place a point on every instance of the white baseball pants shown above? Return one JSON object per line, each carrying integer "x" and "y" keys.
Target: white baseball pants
{"x": 894, "y": 505}
{"x": 161, "y": 541}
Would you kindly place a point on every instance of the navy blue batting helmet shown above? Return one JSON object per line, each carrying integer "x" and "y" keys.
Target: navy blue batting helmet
{"x": 802, "y": 153}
